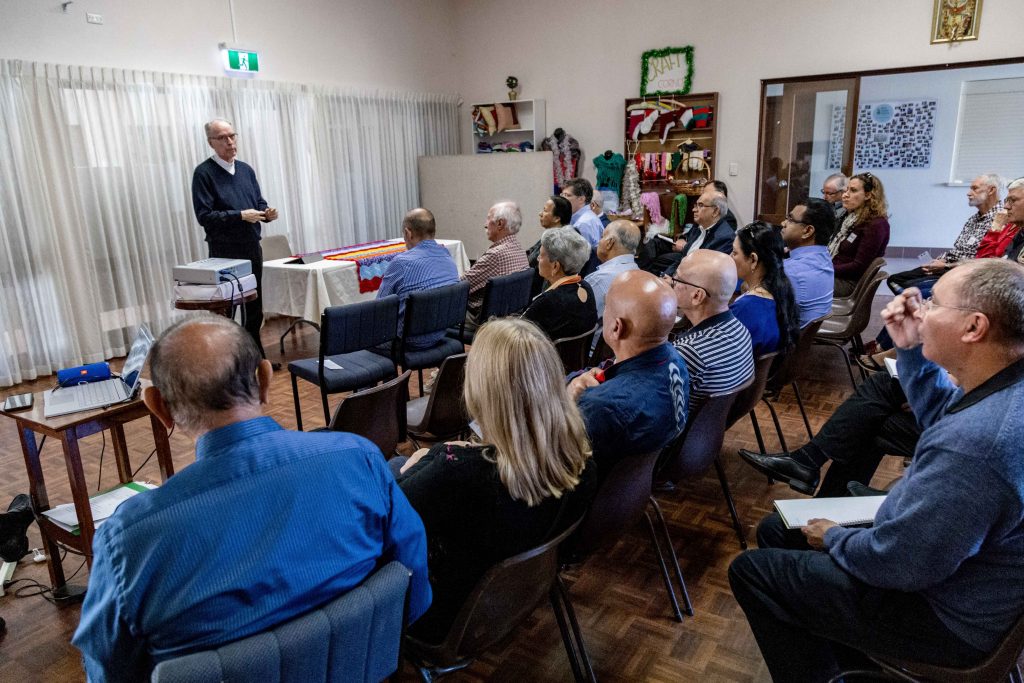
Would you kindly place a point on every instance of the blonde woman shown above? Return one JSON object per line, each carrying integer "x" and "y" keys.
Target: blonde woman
{"x": 864, "y": 233}
{"x": 529, "y": 478}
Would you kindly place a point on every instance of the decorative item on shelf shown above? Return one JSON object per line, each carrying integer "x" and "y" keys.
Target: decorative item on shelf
{"x": 955, "y": 20}
{"x": 668, "y": 71}
{"x": 512, "y": 83}
{"x": 698, "y": 173}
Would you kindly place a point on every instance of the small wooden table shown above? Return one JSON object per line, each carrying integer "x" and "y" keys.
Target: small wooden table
{"x": 69, "y": 429}
{"x": 224, "y": 307}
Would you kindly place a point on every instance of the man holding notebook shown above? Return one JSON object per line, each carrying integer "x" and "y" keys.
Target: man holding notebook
{"x": 939, "y": 577}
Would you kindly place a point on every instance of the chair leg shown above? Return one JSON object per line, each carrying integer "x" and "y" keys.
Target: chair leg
{"x": 420, "y": 374}
{"x": 757, "y": 431}
{"x": 295, "y": 399}
{"x": 1015, "y": 675}
{"x": 291, "y": 329}
{"x": 664, "y": 569}
{"x": 778, "y": 425}
{"x": 575, "y": 647}
{"x": 687, "y": 605}
{"x": 729, "y": 501}
{"x": 327, "y": 408}
{"x": 803, "y": 413}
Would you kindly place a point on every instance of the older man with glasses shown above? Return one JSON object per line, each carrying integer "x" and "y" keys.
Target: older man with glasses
{"x": 712, "y": 232}
{"x": 832, "y": 190}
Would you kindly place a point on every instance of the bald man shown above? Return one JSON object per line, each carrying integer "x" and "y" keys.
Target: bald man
{"x": 265, "y": 525}
{"x": 424, "y": 265}
{"x": 637, "y": 403}
{"x": 717, "y": 348}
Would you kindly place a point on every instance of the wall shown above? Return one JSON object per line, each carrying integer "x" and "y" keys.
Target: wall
{"x": 394, "y": 44}
{"x": 584, "y": 57}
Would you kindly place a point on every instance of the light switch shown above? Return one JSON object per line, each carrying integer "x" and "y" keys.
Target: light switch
{"x": 734, "y": 168}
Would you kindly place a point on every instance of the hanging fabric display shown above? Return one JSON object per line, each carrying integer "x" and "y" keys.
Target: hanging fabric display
{"x": 630, "y": 198}
{"x": 567, "y": 155}
{"x": 610, "y": 168}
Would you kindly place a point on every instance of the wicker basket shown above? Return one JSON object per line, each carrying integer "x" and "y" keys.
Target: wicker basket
{"x": 691, "y": 182}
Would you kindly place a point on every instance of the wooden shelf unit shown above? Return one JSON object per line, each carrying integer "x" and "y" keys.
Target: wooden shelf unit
{"x": 532, "y": 124}
{"x": 650, "y": 143}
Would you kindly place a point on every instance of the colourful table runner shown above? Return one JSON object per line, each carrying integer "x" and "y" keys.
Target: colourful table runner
{"x": 371, "y": 260}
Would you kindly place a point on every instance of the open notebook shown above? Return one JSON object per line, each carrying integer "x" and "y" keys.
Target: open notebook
{"x": 844, "y": 511}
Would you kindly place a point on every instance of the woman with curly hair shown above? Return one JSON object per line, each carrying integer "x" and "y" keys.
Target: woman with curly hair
{"x": 767, "y": 306}
{"x": 864, "y": 233}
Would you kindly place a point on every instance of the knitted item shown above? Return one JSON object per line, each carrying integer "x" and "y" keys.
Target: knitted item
{"x": 702, "y": 117}
{"x": 567, "y": 155}
{"x": 679, "y": 213}
{"x": 653, "y": 205}
{"x": 631, "y": 192}
{"x": 609, "y": 171}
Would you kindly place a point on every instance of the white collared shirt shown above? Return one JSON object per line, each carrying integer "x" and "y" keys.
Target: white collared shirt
{"x": 700, "y": 239}
{"x": 230, "y": 168}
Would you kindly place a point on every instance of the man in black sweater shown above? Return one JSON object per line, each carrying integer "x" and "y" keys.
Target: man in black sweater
{"x": 230, "y": 206}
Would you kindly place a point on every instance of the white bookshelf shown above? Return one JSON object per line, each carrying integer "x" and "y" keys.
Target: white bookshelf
{"x": 532, "y": 125}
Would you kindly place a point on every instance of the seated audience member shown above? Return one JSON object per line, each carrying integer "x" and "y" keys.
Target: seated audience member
{"x": 717, "y": 349}
{"x": 832, "y": 191}
{"x": 426, "y": 265}
{"x": 730, "y": 218}
{"x": 556, "y": 213}
{"x": 503, "y": 257}
{"x": 580, "y": 193}
{"x": 638, "y": 404}
{"x": 530, "y": 478}
{"x": 939, "y": 577}
{"x": 617, "y": 253}
{"x": 597, "y": 206}
{"x": 863, "y": 234}
{"x": 712, "y": 231}
{"x": 806, "y": 231}
{"x": 1014, "y": 206}
{"x": 566, "y": 307}
{"x": 266, "y": 524}
{"x": 766, "y": 306}
{"x": 984, "y": 194}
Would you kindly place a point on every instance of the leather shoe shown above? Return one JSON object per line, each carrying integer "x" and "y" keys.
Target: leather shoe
{"x": 858, "y": 489}
{"x": 784, "y": 468}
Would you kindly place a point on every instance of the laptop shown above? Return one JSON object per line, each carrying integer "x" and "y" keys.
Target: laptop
{"x": 65, "y": 400}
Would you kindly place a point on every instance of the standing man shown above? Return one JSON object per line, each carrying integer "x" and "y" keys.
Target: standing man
{"x": 806, "y": 231}
{"x": 230, "y": 206}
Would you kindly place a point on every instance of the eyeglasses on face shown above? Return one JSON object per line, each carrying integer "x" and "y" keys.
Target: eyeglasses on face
{"x": 676, "y": 280}
{"x": 702, "y": 205}
{"x": 830, "y": 193}
{"x": 789, "y": 219}
{"x": 225, "y": 137}
{"x": 930, "y": 303}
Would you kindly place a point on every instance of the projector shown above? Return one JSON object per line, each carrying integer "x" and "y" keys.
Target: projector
{"x": 212, "y": 271}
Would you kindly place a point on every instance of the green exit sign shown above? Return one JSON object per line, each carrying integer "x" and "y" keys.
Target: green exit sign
{"x": 240, "y": 61}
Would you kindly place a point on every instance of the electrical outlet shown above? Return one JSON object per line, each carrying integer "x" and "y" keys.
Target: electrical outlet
{"x": 94, "y": 18}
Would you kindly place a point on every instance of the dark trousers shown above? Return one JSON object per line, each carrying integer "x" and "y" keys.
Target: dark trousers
{"x": 253, "y": 309}
{"x": 874, "y": 410}
{"x": 657, "y": 257}
{"x": 811, "y": 619}
{"x": 916, "y": 277}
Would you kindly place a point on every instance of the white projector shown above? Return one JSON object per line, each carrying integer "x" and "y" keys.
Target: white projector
{"x": 212, "y": 271}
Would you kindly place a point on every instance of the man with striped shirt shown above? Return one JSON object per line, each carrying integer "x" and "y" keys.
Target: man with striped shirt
{"x": 717, "y": 349}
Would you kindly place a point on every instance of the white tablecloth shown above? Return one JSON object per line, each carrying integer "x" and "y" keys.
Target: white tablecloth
{"x": 304, "y": 291}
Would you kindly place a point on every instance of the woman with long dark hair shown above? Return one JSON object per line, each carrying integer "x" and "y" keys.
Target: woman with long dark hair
{"x": 767, "y": 306}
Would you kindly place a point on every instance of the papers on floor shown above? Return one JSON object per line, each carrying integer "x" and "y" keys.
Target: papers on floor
{"x": 844, "y": 511}
{"x": 102, "y": 504}
{"x": 890, "y": 365}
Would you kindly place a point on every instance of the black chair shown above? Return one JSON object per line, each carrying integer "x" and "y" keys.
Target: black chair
{"x": 843, "y": 330}
{"x": 427, "y": 311}
{"x": 574, "y": 351}
{"x": 785, "y": 371}
{"x": 748, "y": 399}
{"x": 346, "y": 332}
{"x": 503, "y": 296}
{"x": 441, "y": 414}
{"x": 601, "y": 353}
{"x": 355, "y": 637}
{"x": 377, "y": 414}
{"x": 623, "y": 497}
{"x": 501, "y": 600}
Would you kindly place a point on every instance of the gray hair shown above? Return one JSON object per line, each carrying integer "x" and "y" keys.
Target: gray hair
{"x": 509, "y": 212}
{"x": 1014, "y": 184}
{"x": 720, "y": 202}
{"x": 566, "y": 246}
{"x": 209, "y": 124}
{"x": 626, "y": 234}
{"x": 841, "y": 181}
{"x": 194, "y": 383}
{"x": 995, "y": 181}
{"x": 598, "y": 199}
{"x": 995, "y": 287}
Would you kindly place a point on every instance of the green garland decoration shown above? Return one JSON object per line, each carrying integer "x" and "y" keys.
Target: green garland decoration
{"x": 687, "y": 52}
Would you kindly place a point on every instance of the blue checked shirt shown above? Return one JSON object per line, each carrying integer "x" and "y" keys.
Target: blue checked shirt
{"x": 428, "y": 265}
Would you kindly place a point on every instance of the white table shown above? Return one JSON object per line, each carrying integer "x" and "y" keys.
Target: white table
{"x": 304, "y": 291}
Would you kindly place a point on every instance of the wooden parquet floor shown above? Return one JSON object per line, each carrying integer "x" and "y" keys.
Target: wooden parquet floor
{"x": 618, "y": 595}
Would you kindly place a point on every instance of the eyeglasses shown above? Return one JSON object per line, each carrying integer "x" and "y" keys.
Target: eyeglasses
{"x": 1010, "y": 201}
{"x": 789, "y": 219}
{"x": 930, "y": 303}
{"x": 225, "y": 138}
{"x": 702, "y": 205}
{"x": 673, "y": 278}
{"x": 830, "y": 193}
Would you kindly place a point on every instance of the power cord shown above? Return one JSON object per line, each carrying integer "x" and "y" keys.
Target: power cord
{"x": 151, "y": 453}
{"x": 227, "y": 277}
{"x": 29, "y": 588}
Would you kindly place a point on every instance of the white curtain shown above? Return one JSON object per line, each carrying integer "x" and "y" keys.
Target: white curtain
{"x": 95, "y": 190}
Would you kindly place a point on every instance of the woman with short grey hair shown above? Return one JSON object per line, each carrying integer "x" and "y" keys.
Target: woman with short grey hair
{"x": 566, "y": 308}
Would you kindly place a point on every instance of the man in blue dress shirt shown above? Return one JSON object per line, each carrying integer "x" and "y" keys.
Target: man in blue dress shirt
{"x": 266, "y": 525}
{"x": 426, "y": 265}
{"x": 806, "y": 231}
{"x": 580, "y": 193}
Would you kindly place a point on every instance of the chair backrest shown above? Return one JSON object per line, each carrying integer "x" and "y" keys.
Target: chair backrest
{"x": 602, "y": 352}
{"x": 860, "y": 315}
{"x": 693, "y": 452}
{"x": 377, "y": 414}
{"x": 747, "y": 399}
{"x": 865, "y": 279}
{"x": 446, "y": 411}
{"x": 502, "y": 598}
{"x": 355, "y": 637}
{"x": 354, "y": 327}
{"x": 435, "y": 310}
{"x": 275, "y": 247}
{"x": 786, "y": 366}
{"x": 619, "y": 502}
{"x": 574, "y": 350}
{"x": 506, "y": 294}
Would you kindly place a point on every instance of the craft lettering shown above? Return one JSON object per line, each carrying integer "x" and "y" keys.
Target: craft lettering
{"x": 662, "y": 65}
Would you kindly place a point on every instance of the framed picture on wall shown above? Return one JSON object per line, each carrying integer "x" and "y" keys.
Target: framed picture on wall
{"x": 955, "y": 20}
{"x": 668, "y": 71}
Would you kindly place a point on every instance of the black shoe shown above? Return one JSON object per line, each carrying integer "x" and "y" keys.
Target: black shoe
{"x": 275, "y": 366}
{"x": 858, "y": 489}
{"x": 784, "y": 468}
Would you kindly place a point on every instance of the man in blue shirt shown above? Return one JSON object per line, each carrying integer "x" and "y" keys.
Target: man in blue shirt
{"x": 267, "y": 524}
{"x": 617, "y": 253}
{"x": 806, "y": 231}
{"x": 425, "y": 265}
{"x": 939, "y": 577}
{"x": 639, "y": 403}
{"x": 580, "y": 193}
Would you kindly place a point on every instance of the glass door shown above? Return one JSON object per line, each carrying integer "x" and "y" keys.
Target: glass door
{"x": 807, "y": 133}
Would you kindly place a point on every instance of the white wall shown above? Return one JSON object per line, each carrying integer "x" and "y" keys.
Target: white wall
{"x": 924, "y": 210}
{"x": 393, "y": 44}
{"x": 584, "y": 57}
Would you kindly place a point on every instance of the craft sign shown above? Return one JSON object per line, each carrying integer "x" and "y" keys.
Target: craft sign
{"x": 666, "y": 72}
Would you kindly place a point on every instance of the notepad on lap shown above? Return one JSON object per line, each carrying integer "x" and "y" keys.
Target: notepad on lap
{"x": 844, "y": 511}
{"x": 890, "y": 365}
